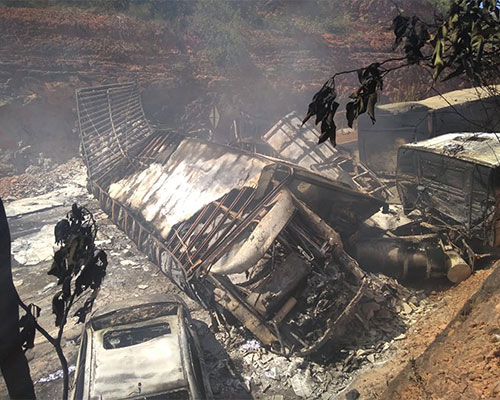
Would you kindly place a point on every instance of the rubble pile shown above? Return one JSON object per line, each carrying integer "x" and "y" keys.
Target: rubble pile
{"x": 40, "y": 178}
{"x": 269, "y": 373}
{"x": 23, "y": 159}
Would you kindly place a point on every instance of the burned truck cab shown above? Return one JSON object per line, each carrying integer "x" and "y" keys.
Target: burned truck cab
{"x": 455, "y": 178}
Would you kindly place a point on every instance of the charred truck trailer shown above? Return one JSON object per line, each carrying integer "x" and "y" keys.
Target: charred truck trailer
{"x": 467, "y": 110}
{"x": 243, "y": 234}
{"x": 297, "y": 143}
{"x": 454, "y": 179}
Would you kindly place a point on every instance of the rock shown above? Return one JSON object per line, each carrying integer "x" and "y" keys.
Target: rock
{"x": 371, "y": 358}
{"x": 400, "y": 337}
{"x": 302, "y": 384}
{"x": 352, "y": 395}
{"x": 142, "y": 287}
{"x": 406, "y": 308}
{"x": 18, "y": 282}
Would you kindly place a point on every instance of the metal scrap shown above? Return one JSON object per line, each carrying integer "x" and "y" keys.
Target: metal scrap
{"x": 466, "y": 110}
{"x": 226, "y": 226}
{"x": 295, "y": 142}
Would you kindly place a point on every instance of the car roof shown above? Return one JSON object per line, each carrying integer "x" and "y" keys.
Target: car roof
{"x": 151, "y": 367}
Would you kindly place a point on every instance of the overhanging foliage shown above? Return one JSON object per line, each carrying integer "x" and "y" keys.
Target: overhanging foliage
{"x": 465, "y": 42}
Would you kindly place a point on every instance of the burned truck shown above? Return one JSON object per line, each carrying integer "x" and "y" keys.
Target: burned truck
{"x": 450, "y": 187}
{"x": 296, "y": 142}
{"x": 467, "y": 110}
{"x": 247, "y": 236}
{"x": 455, "y": 179}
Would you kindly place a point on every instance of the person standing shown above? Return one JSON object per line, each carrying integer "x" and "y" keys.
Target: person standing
{"x": 13, "y": 362}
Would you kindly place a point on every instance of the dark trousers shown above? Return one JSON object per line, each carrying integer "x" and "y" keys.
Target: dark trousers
{"x": 13, "y": 363}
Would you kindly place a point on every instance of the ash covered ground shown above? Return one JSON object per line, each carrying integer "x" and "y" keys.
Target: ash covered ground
{"x": 238, "y": 366}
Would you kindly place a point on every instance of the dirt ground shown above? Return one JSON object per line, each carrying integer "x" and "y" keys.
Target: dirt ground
{"x": 463, "y": 362}
{"x": 443, "y": 306}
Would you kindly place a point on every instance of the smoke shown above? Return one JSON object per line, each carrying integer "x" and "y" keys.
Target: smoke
{"x": 253, "y": 60}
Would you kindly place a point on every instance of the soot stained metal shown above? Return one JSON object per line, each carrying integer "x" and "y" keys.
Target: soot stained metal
{"x": 244, "y": 234}
{"x": 296, "y": 142}
{"x": 454, "y": 177}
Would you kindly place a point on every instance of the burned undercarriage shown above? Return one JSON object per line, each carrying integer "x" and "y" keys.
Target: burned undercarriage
{"x": 243, "y": 234}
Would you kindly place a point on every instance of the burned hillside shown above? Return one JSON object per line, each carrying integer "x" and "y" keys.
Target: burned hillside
{"x": 47, "y": 53}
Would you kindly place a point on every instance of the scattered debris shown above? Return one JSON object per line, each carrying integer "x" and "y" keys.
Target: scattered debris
{"x": 127, "y": 262}
{"x": 48, "y": 287}
{"x": 302, "y": 384}
{"x": 251, "y": 346}
{"x": 55, "y": 375}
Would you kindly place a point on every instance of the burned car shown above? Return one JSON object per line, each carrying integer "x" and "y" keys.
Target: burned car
{"x": 142, "y": 349}
{"x": 248, "y": 236}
